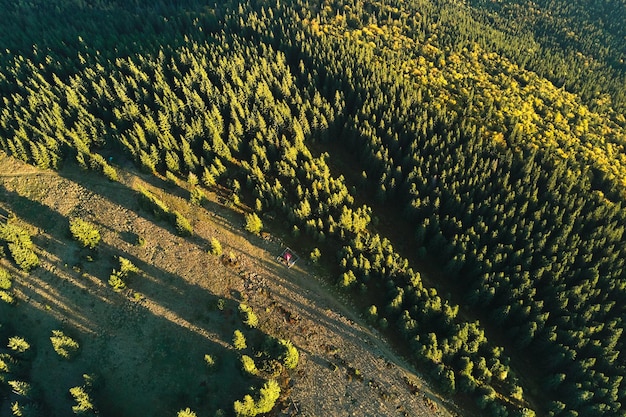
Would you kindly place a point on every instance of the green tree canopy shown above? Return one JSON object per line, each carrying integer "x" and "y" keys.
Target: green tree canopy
{"x": 84, "y": 232}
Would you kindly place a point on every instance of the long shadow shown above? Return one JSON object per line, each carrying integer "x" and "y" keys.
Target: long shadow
{"x": 340, "y": 321}
{"x": 294, "y": 280}
{"x": 38, "y": 215}
{"x": 128, "y": 198}
{"x": 116, "y": 192}
{"x": 189, "y": 302}
{"x": 138, "y": 351}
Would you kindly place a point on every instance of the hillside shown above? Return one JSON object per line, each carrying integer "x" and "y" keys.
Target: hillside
{"x": 146, "y": 343}
{"x": 455, "y": 169}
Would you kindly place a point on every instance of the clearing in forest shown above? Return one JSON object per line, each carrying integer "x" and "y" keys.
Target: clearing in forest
{"x": 147, "y": 341}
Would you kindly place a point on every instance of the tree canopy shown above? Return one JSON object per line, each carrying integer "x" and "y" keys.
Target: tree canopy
{"x": 493, "y": 131}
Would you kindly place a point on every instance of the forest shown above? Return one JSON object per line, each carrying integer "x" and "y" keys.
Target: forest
{"x": 493, "y": 133}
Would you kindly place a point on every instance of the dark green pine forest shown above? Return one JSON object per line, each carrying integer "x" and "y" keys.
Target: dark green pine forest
{"x": 491, "y": 132}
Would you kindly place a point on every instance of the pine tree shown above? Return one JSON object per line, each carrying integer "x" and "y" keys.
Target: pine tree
{"x": 253, "y": 223}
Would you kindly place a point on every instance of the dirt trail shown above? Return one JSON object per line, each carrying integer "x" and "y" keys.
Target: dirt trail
{"x": 379, "y": 346}
{"x": 374, "y": 340}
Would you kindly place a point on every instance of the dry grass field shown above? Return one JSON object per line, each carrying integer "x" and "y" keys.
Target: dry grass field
{"x": 147, "y": 342}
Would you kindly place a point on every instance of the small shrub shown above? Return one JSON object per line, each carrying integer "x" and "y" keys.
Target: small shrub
{"x": 253, "y": 223}
{"x": 5, "y": 279}
{"x": 126, "y": 266}
{"x": 98, "y": 163}
{"x": 110, "y": 173}
{"x": 84, "y": 404}
{"x": 92, "y": 381}
{"x": 516, "y": 392}
{"x": 23, "y": 256}
{"x": 171, "y": 178}
{"x": 186, "y": 413}
{"x": 248, "y": 316}
{"x": 487, "y": 395}
{"x": 116, "y": 281}
{"x": 209, "y": 360}
{"x": 16, "y": 409}
{"x": 216, "y": 247}
{"x": 18, "y": 344}
{"x": 7, "y": 365}
{"x": 239, "y": 340}
{"x": 6, "y": 297}
{"x": 64, "y": 345}
{"x": 269, "y": 393}
{"x": 291, "y": 356}
{"x": 236, "y": 187}
{"x": 148, "y": 164}
{"x": 81, "y": 158}
{"x": 192, "y": 179}
{"x": 208, "y": 179}
{"x": 25, "y": 410}
{"x": 196, "y": 196}
{"x": 315, "y": 255}
{"x": 20, "y": 246}
{"x": 383, "y": 323}
{"x": 372, "y": 314}
{"x": 22, "y": 388}
{"x": 446, "y": 379}
{"x": 85, "y": 232}
{"x": 248, "y": 365}
{"x": 246, "y": 407}
{"x": 13, "y": 233}
{"x": 525, "y": 412}
{"x": 183, "y": 226}
{"x": 347, "y": 279}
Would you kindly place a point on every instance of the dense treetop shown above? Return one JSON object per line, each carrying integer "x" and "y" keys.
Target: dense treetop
{"x": 496, "y": 129}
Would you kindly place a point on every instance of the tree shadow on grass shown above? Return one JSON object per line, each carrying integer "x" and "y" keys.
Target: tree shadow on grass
{"x": 325, "y": 310}
{"x": 128, "y": 198}
{"x": 293, "y": 280}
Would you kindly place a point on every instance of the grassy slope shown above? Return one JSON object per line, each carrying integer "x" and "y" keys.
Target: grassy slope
{"x": 148, "y": 342}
